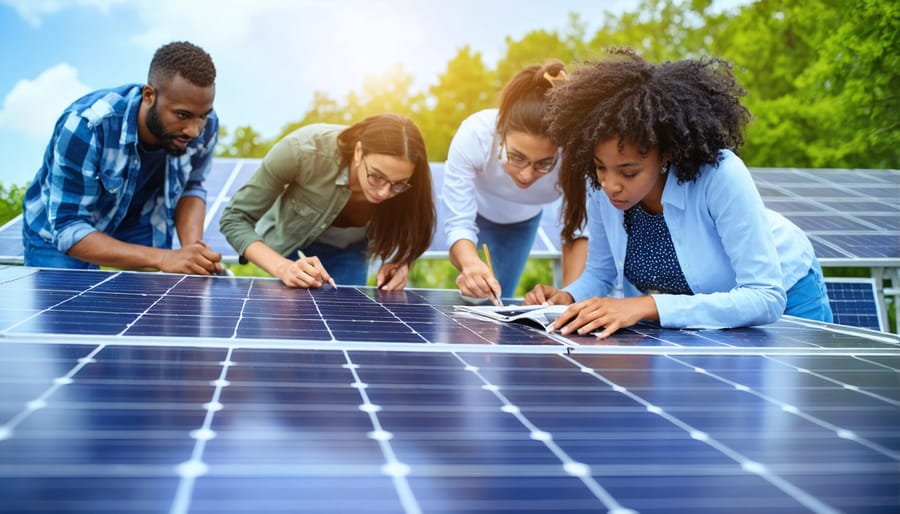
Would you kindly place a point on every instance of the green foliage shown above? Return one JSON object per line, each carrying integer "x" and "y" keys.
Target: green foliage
{"x": 465, "y": 87}
{"x": 433, "y": 273}
{"x": 821, "y": 77}
{"x": 388, "y": 92}
{"x": 11, "y": 201}
{"x": 245, "y": 143}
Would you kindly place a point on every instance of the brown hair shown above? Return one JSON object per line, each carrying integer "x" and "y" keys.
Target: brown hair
{"x": 523, "y": 99}
{"x": 402, "y": 226}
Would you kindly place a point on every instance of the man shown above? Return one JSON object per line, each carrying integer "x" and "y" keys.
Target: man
{"x": 124, "y": 172}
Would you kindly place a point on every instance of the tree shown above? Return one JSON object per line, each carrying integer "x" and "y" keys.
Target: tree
{"x": 390, "y": 92}
{"x": 465, "y": 87}
{"x": 853, "y": 88}
{"x": 662, "y": 30}
{"x": 11, "y": 201}
{"x": 245, "y": 143}
{"x": 822, "y": 78}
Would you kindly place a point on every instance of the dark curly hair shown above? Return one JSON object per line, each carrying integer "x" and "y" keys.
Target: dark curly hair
{"x": 688, "y": 110}
{"x": 523, "y": 99}
{"x": 185, "y": 59}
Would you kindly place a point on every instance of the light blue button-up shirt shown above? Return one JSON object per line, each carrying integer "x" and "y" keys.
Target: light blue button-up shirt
{"x": 739, "y": 257}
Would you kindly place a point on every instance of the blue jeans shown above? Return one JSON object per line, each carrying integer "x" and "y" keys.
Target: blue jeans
{"x": 509, "y": 244}
{"x": 808, "y": 298}
{"x": 347, "y": 266}
{"x": 41, "y": 254}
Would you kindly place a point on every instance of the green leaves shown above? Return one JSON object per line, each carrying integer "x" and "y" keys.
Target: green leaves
{"x": 821, "y": 76}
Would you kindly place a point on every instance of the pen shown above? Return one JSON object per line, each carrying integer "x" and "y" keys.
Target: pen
{"x": 301, "y": 255}
{"x": 487, "y": 258}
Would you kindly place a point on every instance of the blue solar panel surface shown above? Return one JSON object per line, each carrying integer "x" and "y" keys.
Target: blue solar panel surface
{"x": 129, "y": 392}
{"x": 854, "y": 302}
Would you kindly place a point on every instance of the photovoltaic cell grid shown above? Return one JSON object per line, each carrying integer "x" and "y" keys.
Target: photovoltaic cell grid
{"x": 854, "y": 302}
{"x": 143, "y": 407}
{"x": 849, "y": 215}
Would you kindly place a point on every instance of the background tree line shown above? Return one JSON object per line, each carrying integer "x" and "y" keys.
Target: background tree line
{"x": 821, "y": 76}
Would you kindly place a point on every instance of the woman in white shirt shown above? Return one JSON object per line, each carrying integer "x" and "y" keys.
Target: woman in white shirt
{"x": 501, "y": 170}
{"x": 678, "y": 226}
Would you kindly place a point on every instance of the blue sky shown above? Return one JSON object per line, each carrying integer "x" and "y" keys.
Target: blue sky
{"x": 271, "y": 55}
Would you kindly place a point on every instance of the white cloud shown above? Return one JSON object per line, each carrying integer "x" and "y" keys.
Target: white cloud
{"x": 33, "y": 106}
{"x": 33, "y": 11}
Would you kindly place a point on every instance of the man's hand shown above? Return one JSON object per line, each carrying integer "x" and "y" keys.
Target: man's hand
{"x": 195, "y": 259}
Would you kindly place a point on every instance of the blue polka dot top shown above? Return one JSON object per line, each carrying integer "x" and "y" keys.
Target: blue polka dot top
{"x": 651, "y": 264}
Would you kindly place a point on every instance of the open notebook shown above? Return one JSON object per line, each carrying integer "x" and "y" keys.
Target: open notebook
{"x": 536, "y": 315}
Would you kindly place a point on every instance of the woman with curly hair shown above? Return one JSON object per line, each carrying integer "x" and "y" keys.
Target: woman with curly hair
{"x": 327, "y": 197}
{"x": 677, "y": 225}
{"x": 501, "y": 170}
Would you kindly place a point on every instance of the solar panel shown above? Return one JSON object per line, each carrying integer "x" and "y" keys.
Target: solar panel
{"x": 855, "y": 302}
{"x": 851, "y": 216}
{"x": 124, "y": 392}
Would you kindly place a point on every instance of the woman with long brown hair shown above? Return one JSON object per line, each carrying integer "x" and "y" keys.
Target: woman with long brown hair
{"x": 327, "y": 198}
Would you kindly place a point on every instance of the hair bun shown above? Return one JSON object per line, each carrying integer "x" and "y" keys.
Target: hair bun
{"x": 561, "y": 76}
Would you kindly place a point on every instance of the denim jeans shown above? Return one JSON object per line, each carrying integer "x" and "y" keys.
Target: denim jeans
{"x": 509, "y": 244}
{"x": 808, "y": 298}
{"x": 347, "y": 266}
{"x": 41, "y": 254}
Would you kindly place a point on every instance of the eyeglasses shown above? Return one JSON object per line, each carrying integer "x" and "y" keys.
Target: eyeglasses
{"x": 378, "y": 180}
{"x": 517, "y": 160}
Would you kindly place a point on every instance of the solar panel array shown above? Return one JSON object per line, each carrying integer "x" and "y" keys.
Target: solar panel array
{"x": 129, "y": 392}
{"x": 852, "y": 217}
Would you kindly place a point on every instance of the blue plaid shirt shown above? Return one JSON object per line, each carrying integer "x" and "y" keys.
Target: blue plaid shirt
{"x": 91, "y": 167}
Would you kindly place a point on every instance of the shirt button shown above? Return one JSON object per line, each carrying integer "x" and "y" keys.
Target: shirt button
{"x": 322, "y": 225}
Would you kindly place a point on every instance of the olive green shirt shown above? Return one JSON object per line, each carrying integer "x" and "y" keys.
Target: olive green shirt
{"x": 297, "y": 192}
